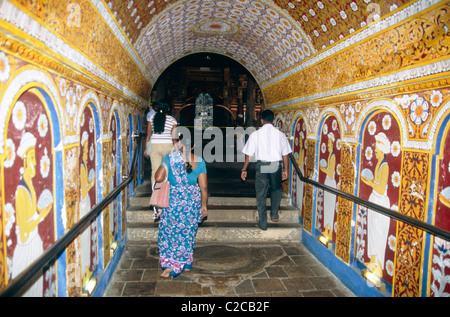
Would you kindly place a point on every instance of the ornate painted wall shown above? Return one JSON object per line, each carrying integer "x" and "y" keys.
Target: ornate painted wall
{"x": 65, "y": 142}
{"x": 367, "y": 108}
{"x": 374, "y": 121}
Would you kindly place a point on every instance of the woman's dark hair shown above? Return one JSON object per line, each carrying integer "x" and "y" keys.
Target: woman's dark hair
{"x": 159, "y": 120}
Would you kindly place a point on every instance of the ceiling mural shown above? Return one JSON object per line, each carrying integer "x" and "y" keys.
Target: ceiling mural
{"x": 328, "y": 21}
{"x": 260, "y": 36}
{"x": 267, "y": 37}
{"x": 127, "y": 44}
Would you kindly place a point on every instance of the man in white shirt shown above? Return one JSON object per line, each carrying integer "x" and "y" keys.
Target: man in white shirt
{"x": 271, "y": 150}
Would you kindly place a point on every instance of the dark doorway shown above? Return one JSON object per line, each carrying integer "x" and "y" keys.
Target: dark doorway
{"x": 236, "y": 96}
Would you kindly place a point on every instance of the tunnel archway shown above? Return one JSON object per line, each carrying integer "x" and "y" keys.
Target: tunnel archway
{"x": 234, "y": 89}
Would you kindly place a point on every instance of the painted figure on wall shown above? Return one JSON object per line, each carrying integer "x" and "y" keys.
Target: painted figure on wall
{"x": 133, "y": 126}
{"x": 440, "y": 266}
{"x": 329, "y": 171}
{"x": 378, "y": 224}
{"x": 112, "y": 176}
{"x": 127, "y": 157}
{"x": 87, "y": 193}
{"x": 279, "y": 124}
{"x": 140, "y": 175}
{"x": 28, "y": 188}
{"x": 379, "y": 183}
{"x": 299, "y": 151}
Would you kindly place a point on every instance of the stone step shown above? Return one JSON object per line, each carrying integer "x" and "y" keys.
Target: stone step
{"x": 229, "y": 232}
{"x": 143, "y": 200}
{"x": 217, "y": 213}
{"x": 243, "y": 201}
{"x": 230, "y": 219}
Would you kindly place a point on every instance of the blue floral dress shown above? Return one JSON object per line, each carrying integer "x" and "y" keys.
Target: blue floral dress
{"x": 179, "y": 222}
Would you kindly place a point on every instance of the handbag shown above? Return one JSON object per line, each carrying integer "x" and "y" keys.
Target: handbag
{"x": 160, "y": 195}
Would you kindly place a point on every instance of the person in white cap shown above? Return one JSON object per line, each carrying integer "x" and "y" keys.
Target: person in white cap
{"x": 378, "y": 224}
{"x": 329, "y": 199}
{"x": 29, "y": 215}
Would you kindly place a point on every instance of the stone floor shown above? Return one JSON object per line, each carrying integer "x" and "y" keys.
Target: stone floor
{"x": 238, "y": 270}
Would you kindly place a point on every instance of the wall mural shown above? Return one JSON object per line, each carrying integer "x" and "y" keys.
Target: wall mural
{"x": 142, "y": 125}
{"x": 112, "y": 179}
{"x": 129, "y": 148}
{"x": 299, "y": 152}
{"x": 88, "y": 199}
{"x": 28, "y": 189}
{"x": 440, "y": 253}
{"x": 329, "y": 173}
{"x": 380, "y": 167}
{"x": 283, "y": 123}
{"x": 39, "y": 138}
{"x": 126, "y": 159}
{"x": 387, "y": 156}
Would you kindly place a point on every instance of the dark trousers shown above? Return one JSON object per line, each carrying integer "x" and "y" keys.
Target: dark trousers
{"x": 268, "y": 175}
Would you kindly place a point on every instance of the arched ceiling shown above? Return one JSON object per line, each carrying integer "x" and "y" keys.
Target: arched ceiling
{"x": 267, "y": 37}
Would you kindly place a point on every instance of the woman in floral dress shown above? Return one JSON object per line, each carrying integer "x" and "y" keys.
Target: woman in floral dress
{"x": 188, "y": 199}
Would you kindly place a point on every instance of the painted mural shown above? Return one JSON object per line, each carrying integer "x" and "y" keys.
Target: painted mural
{"x": 88, "y": 244}
{"x": 29, "y": 189}
{"x": 127, "y": 154}
{"x": 329, "y": 174}
{"x": 112, "y": 179}
{"x": 385, "y": 159}
{"x": 39, "y": 206}
{"x": 283, "y": 123}
{"x": 440, "y": 253}
{"x": 395, "y": 127}
{"x": 299, "y": 152}
{"x": 381, "y": 159}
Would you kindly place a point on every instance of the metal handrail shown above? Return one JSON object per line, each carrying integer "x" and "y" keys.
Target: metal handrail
{"x": 442, "y": 233}
{"x": 54, "y": 251}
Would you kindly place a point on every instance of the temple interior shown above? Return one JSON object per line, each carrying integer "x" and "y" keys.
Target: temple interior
{"x": 359, "y": 87}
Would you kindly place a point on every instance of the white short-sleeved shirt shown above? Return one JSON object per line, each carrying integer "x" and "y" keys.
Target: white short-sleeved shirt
{"x": 267, "y": 144}
{"x": 166, "y": 136}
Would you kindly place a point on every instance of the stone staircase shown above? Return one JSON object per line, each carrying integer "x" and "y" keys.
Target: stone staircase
{"x": 230, "y": 220}
{"x": 232, "y": 213}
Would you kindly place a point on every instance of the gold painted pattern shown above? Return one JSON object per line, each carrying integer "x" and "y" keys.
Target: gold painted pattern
{"x": 3, "y": 277}
{"x": 80, "y": 25}
{"x": 72, "y": 197}
{"x": 326, "y": 22}
{"x": 409, "y": 239}
{"x": 106, "y": 150}
{"x": 309, "y": 189}
{"x": 416, "y": 42}
{"x": 344, "y": 206}
{"x": 26, "y": 53}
